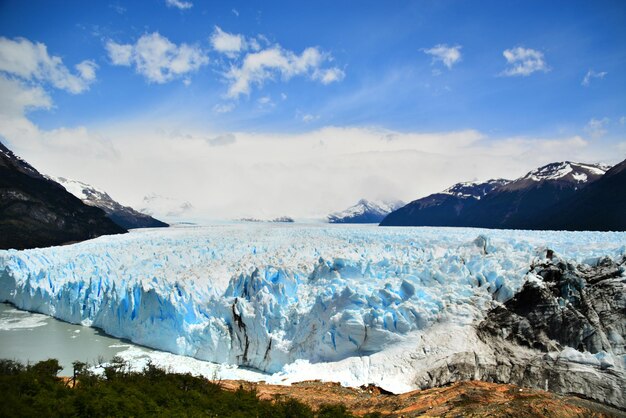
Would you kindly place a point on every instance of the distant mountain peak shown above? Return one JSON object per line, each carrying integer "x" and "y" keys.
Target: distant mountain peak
{"x": 365, "y": 211}
{"x": 567, "y": 170}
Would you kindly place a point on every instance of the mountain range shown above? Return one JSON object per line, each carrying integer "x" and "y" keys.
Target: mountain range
{"x": 563, "y": 195}
{"x": 38, "y": 212}
{"x": 124, "y": 216}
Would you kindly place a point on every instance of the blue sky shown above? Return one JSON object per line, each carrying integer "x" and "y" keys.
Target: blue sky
{"x": 501, "y": 71}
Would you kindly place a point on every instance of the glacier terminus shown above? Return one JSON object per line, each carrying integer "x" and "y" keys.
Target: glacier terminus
{"x": 357, "y": 304}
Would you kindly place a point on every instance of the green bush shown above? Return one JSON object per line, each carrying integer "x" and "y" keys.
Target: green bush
{"x": 35, "y": 391}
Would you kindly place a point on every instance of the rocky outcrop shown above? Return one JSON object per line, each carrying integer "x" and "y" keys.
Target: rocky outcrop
{"x": 564, "y": 331}
{"x": 581, "y": 307}
{"x": 507, "y": 363}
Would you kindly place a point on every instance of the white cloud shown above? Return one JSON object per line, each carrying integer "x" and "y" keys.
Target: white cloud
{"x": 524, "y": 61}
{"x": 257, "y": 67}
{"x": 235, "y": 12}
{"x": 250, "y": 174}
{"x": 87, "y": 70}
{"x": 448, "y": 55}
{"x": 330, "y": 75}
{"x": 622, "y": 120}
{"x": 223, "y": 107}
{"x": 306, "y": 118}
{"x": 119, "y": 54}
{"x": 597, "y": 127}
{"x": 31, "y": 62}
{"x": 26, "y": 70}
{"x": 227, "y": 43}
{"x": 179, "y": 4}
{"x": 256, "y": 171}
{"x": 156, "y": 58}
{"x": 17, "y": 98}
{"x": 255, "y": 45}
{"x": 591, "y": 74}
{"x": 265, "y": 101}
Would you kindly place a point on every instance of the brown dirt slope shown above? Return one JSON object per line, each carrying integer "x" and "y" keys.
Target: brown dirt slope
{"x": 465, "y": 399}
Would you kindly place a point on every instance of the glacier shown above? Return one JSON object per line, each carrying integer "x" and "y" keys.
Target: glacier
{"x": 355, "y": 304}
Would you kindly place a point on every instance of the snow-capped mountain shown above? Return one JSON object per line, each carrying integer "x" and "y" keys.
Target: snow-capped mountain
{"x": 522, "y": 203}
{"x": 165, "y": 207}
{"x": 38, "y": 212}
{"x": 475, "y": 189}
{"x": 599, "y": 206}
{"x": 124, "y": 216}
{"x": 518, "y": 204}
{"x": 445, "y": 208}
{"x": 365, "y": 211}
{"x": 565, "y": 174}
{"x": 567, "y": 170}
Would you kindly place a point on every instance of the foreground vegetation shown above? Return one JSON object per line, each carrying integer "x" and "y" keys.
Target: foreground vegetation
{"x": 35, "y": 390}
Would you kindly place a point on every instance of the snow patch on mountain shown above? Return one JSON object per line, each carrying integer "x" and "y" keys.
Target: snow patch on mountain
{"x": 579, "y": 172}
{"x": 85, "y": 192}
{"x": 475, "y": 190}
{"x": 125, "y": 216}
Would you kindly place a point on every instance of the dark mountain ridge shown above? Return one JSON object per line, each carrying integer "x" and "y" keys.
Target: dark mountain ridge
{"x": 124, "y": 216}
{"x": 446, "y": 208}
{"x": 563, "y": 195}
{"x": 37, "y": 212}
{"x": 599, "y": 207}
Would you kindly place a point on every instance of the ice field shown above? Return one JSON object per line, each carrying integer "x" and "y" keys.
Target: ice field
{"x": 355, "y": 304}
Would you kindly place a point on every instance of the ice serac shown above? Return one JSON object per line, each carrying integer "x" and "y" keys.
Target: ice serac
{"x": 400, "y": 308}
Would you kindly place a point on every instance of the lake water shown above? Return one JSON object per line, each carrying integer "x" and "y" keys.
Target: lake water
{"x": 31, "y": 337}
